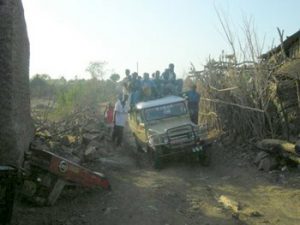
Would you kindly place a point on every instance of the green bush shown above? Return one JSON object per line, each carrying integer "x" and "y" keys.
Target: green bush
{"x": 84, "y": 93}
{"x": 73, "y": 95}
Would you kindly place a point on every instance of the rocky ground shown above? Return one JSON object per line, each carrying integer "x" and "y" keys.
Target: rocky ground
{"x": 229, "y": 191}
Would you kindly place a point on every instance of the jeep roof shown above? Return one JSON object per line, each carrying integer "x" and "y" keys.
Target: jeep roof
{"x": 161, "y": 101}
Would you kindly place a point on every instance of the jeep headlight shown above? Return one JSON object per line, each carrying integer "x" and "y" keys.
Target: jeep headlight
{"x": 158, "y": 139}
{"x": 164, "y": 139}
{"x": 153, "y": 140}
{"x": 197, "y": 131}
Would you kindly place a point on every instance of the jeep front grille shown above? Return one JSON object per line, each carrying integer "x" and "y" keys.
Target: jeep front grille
{"x": 181, "y": 135}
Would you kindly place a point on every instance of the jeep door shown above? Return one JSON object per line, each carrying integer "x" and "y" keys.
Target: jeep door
{"x": 139, "y": 127}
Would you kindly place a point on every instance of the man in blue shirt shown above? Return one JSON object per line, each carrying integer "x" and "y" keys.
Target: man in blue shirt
{"x": 193, "y": 98}
{"x": 147, "y": 87}
{"x": 135, "y": 89}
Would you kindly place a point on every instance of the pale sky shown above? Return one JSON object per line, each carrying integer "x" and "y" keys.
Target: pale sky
{"x": 65, "y": 35}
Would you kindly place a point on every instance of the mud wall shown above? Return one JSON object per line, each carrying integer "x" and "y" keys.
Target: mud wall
{"x": 15, "y": 122}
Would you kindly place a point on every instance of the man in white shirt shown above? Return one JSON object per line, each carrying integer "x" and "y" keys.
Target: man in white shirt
{"x": 120, "y": 118}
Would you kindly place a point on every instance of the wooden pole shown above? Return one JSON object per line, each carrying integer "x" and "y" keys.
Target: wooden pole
{"x": 281, "y": 32}
{"x": 298, "y": 92}
{"x": 233, "y": 104}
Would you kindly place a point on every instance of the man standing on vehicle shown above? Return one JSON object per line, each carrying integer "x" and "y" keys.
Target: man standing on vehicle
{"x": 157, "y": 84}
{"x": 120, "y": 118}
{"x": 193, "y": 98}
{"x": 126, "y": 82}
{"x": 134, "y": 90}
{"x": 169, "y": 80}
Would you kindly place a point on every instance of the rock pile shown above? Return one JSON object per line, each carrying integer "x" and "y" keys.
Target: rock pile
{"x": 80, "y": 137}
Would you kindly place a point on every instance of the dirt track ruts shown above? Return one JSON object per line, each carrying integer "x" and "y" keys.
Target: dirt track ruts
{"x": 181, "y": 193}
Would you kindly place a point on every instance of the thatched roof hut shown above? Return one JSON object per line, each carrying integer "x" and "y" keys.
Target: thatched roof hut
{"x": 286, "y": 57}
{"x": 291, "y": 47}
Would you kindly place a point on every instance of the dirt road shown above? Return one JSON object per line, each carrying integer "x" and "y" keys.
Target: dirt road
{"x": 180, "y": 194}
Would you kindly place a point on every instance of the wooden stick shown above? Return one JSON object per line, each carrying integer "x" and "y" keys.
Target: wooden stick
{"x": 281, "y": 32}
{"x": 298, "y": 92}
{"x": 233, "y": 104}
{"x": 221, "y": 90}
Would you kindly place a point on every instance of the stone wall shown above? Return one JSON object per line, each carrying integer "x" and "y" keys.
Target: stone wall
{"x": 16, "y": 127}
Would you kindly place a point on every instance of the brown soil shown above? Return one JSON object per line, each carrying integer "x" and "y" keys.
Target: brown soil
{"x": 181, "y": 193}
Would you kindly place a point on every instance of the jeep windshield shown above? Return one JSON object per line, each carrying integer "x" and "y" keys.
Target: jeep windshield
{"x": 165, "y": 111}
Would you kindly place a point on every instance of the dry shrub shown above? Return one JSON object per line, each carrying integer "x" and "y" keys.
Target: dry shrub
{"x": 238, "y": 91}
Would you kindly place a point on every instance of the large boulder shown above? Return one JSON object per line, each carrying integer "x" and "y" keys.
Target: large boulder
{"x": 16, "y": 127}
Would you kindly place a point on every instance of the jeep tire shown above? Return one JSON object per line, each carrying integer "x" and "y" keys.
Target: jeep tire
{"x": 137, "y": 144}
{"x": 155, "y": 157}
{"x": 205, "y": 157}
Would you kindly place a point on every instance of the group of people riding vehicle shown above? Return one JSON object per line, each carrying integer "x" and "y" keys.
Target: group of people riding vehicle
{"x": 136, "y": 89}
{"x": 145, "y": 88}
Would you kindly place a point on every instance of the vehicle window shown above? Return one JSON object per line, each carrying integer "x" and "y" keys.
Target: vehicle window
{"x": 165, "y": 111}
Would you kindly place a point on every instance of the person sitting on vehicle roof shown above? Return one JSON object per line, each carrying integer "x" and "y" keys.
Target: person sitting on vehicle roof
{"x": 169, "y": 74}
{"x": 169, "y": 81}
{"x": 135, "y": 89}
{"x": 165, "y": 75}
{"x": 157, "y": 84}
{"x": 152, "y": 76}
{"x": 125, "y": 82}
{"x": 147, "y": 88}
{"x": 171, "y": 85}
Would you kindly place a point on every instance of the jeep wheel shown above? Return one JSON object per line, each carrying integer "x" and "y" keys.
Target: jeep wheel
{"x": 205, "y": 157}
{"x": 155, "y": 158}
{"x": 137, "y": 144}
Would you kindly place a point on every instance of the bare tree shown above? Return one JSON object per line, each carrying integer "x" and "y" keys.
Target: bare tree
{"x": 236, "y": 90}
{"x": 97, "y": 69}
